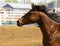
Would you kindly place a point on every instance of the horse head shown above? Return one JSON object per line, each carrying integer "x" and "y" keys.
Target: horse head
{"x": 30, "y": 18}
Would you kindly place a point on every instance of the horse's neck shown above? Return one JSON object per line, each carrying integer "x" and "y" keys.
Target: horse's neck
{"x": 43, "y": 30}
{"x": 46, "y": 21}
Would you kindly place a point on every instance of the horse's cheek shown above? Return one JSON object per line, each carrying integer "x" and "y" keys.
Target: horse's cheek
{"x": 34, "y": 18}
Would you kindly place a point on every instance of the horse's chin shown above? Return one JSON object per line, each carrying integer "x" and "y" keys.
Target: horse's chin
{"x": 19, "y": 25}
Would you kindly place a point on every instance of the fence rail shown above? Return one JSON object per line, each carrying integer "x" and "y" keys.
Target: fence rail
{"x": 10, "y": 17}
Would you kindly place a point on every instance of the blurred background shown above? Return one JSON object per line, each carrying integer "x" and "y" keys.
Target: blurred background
{"x": 11, "y": 10}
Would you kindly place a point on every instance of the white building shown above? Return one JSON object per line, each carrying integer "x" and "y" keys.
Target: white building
{"x": 12, "y": 11}
{"x": 16, "y": 6}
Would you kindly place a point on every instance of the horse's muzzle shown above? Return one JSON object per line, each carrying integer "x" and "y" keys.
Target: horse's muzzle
{"x": 19, "y": 24}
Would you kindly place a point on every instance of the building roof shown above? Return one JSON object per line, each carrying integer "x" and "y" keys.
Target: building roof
{"x": 7, "y": 5}
{"x": 16, "y": 5}
{"x": 19, "y": 5}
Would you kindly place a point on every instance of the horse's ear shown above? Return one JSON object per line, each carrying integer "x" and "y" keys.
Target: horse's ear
{"x": 32, "y": 5}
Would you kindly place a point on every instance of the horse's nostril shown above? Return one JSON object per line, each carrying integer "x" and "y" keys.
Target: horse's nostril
{"x": 18, "y": 23}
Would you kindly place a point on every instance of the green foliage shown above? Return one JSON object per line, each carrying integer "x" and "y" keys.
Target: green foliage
{"x": 58, "y": 9}
{"x": 7, "y": 0}
{"x": 15, "y": 1}
{"x": 42, "y": 3}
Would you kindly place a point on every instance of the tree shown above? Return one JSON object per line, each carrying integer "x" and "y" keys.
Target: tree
{"x": 15, "y": 1}
{"x": 7, "y": 0}
{"x": 42, "y": 3}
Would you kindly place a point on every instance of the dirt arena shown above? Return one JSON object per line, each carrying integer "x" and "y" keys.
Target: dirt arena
{"x": 20, "y": 36}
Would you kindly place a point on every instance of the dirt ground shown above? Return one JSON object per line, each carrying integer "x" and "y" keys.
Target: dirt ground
{"x": 20, "y": 36}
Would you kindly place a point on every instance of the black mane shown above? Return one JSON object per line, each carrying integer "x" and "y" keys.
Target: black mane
{"x": 41, "y": 8}
{"x": 53, "y": 16}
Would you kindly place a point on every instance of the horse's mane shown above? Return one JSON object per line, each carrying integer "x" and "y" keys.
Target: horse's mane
{"x": 41, "y": 8}
{"x": 53, "y": 16}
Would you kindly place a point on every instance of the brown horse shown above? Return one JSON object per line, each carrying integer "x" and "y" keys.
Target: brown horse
{"x": 49, "y": 27}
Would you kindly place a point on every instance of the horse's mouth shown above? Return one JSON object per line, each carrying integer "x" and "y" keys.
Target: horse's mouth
{"x": 19, "y": 25}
